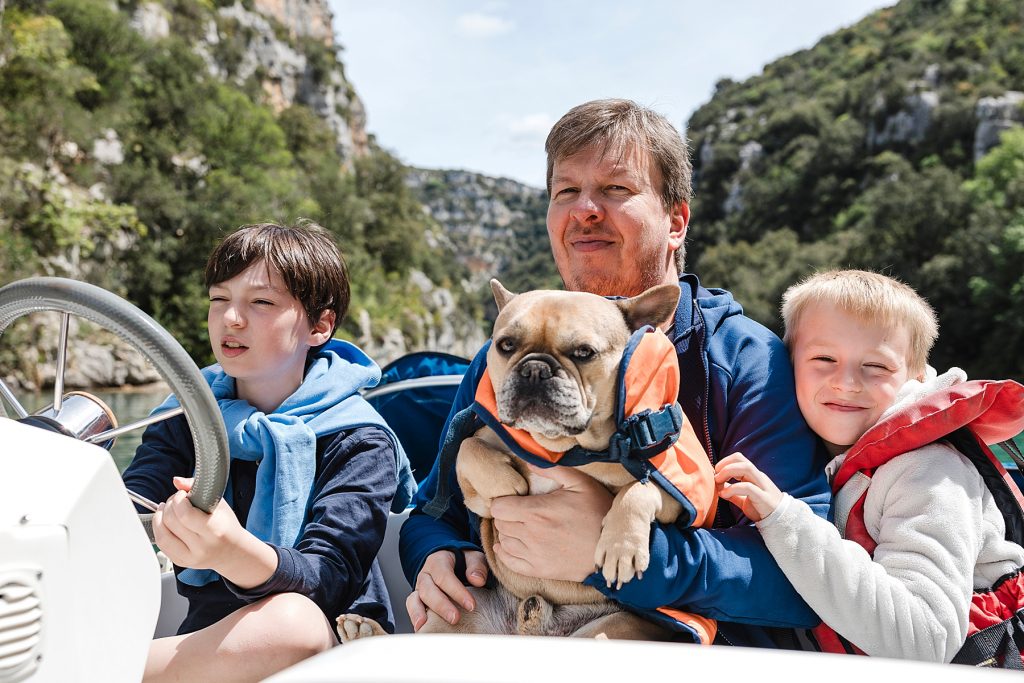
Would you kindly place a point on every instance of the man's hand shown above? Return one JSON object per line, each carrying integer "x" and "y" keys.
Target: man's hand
{"x": 553, "y": 535}
{"x": 438, "y": 588}
{"x": 753, "y": 492}
{"x": 199, "y": 540}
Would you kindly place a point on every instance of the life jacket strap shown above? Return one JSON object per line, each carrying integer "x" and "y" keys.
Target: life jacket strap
{"x": 639, "y": 438}
{"x": 648, "y": 432}
{"x": 998, "y": 646}
{"x": 1013, "y": 450}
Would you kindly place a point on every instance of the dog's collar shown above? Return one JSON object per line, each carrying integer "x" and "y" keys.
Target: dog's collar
{"x": 647, "y": 416}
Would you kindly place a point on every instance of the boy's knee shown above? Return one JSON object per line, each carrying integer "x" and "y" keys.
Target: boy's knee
{"x": 295, "y": 624}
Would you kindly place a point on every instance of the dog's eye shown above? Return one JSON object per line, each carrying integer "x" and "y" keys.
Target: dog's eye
{"x": 583, "y": 352}
{"x": 506, "y": 345}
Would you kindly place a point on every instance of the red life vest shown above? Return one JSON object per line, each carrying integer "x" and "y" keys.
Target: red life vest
{"x": 969, "y": 416}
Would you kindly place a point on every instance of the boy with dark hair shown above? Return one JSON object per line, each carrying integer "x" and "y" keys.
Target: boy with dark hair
{"x": 314, "y": 469}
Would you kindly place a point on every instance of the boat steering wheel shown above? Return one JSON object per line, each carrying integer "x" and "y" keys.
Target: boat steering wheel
{"x": 70, "y": 297}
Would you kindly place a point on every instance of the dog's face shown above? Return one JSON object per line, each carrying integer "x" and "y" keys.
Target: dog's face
{"x": 555, "y": 357}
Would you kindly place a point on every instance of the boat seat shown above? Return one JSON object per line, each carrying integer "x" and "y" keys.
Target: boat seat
{"x": 394, "y": 578}
{"x": 173, "y": 607}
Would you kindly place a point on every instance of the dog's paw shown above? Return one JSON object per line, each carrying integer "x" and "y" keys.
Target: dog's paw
{"x": 355, "y": 626}
{"x": 622, "y": 556}
{"x": 504, "y": 481}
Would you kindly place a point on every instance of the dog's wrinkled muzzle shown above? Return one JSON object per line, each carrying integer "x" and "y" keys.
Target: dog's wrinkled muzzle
{"x": 537, "y": 367}
{"x": 539, "y": 395}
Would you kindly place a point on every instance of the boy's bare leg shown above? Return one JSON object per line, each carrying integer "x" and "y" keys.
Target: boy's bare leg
{"x": 247, "y": 645}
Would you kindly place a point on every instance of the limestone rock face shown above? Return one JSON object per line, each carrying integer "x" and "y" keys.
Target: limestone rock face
{"x": 441, "y": 326}
{"x": 287, "y": 72}
{"x": 152, "y": 20}
{"x": 909, "y": 124}
{"x": 996, "y": 114}
{"x": 95, "y": 358}
{"x": 485, "y": 217}
{"x": 310, "y": 18}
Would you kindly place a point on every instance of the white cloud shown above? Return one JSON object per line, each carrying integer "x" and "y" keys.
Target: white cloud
{"x": 531, "y": 126}
{"x": 478, "y": 25}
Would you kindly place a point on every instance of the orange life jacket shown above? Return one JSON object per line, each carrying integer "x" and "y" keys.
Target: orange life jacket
{"x": 654, "y": 442}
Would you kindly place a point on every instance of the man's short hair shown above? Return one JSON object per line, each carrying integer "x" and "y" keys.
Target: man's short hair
{"x": 304, "y": 254}
{"x": 613, "y": 124}
{"x": 872, "y": 297}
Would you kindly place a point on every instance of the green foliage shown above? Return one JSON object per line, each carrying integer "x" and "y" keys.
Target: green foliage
{"x": 38, "y": 85}
{"x": 984, "y": 264}
{"x": 39, "y": 217}
{"x": 321, "y": 59}
{"x": 393, "y": 230}
{"x": 102, "y": 42}
{"x": 827, "y": 190}
{"x": 201, "y": 157}
{"x": 757, "y": 274}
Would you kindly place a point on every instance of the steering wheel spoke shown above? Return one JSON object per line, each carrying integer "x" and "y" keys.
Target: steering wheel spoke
{"x": 12, "y": 400}
{"x": 141, "y": 500}
{"x": 138, "y": 424}
{"x": 62, "y": 359}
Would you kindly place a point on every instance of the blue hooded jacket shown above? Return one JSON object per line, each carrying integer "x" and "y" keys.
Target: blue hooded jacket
{"x": 737, "y": 390}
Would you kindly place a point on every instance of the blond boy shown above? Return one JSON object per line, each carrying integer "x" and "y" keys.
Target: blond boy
{"x": 859, "y": 343}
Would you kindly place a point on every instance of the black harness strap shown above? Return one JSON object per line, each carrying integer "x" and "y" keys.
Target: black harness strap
{"x": 639, "y": 438}
{"x": 997, "y": 646}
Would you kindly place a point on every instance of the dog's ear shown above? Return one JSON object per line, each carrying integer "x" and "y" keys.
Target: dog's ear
{"x": 653, "y": 307}
{"x": 501, "y": 295}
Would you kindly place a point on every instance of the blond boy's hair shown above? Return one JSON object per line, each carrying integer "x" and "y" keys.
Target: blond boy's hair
{"x": 872, "y": 297}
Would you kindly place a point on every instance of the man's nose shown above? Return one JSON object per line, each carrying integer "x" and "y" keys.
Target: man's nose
{"x": 586, "y": 209}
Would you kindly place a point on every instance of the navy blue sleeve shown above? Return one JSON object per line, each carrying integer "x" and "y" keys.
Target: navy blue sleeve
{"x": 348, "y": 513}
{"x": 166, "y": 451}
{"x": 728, "y": 573}
{"x": 422, "y": 535}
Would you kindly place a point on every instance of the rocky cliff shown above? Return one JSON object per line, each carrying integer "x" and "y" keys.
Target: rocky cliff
{"x": 135, "y": 134}
{"x": 283, "y": 45}
{"x": 489, "y": 223}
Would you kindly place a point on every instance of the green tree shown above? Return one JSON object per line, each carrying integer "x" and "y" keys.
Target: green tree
{"x": 978, "y": 278}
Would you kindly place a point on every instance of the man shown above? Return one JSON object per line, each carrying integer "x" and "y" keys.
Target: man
{"x": 619, "y": 185}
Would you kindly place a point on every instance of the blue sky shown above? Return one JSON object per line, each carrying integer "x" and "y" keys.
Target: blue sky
{"x": 476, "y": 85}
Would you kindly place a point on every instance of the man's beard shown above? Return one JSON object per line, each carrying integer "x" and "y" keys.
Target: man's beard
{"x": 651, "y": 274}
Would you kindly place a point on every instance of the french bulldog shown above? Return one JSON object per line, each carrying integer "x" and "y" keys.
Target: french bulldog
{"x": 553, "y": 364}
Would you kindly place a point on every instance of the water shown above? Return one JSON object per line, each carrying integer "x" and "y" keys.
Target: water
{"x": 128, "y": 406}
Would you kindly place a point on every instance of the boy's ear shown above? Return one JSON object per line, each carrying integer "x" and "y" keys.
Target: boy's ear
{"x": 324, "y": 328}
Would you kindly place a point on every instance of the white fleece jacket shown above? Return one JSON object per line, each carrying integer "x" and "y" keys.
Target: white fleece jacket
{"x": 939, "y": 534}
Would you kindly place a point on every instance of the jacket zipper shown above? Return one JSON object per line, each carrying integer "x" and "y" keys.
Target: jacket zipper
{"x": 720, "y": 520}
{"x": 707, "y": 384}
